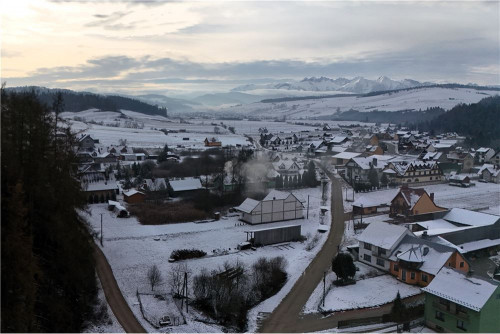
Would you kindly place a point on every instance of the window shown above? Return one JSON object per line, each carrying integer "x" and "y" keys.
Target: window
{"x": 380, "y": 262}
{"x": 462, "y": 264}
{"x": 367, "y": 258}
{"x": 424, "y": 278}
{"x": 396, "y": 268}
{"x": 461, "y": 325}
{"x": 381, "y": 251}
{"x": 439, "y": 315}
{"x": 412, "y": 275}
{"x": 368, "y": 246}
{"x": 460, "y": 309}
{"x": 431, "y": 177}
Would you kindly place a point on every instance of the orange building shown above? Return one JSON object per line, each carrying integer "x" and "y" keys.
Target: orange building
{"x": 134, "y": 196}
{"x": 212, "y": 142}
{"x": 416, "y": 261}
{"x": 413, "y": 201}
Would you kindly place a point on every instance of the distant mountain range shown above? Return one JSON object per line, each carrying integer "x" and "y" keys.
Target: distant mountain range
{"x": 358, "y": 85}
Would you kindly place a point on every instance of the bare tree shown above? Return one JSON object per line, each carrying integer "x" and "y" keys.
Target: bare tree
{"x": 176, "y": 278}
{"x": 154, "y": 276}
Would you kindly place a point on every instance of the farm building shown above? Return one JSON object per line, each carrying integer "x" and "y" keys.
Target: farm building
{"x": 274, "y": 235}
{"x": 276, "y": 206}
{"x": 212, "y": 142}
{"x": 460, "y": 181}
{"x": 133, "y": 196}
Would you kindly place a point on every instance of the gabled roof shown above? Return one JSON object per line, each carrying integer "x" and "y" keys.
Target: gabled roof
{"x": 186, "y": 184}
{"x": 156, "y": 184}
{"x": 468, "y": 291}
{"x": 346, "y": 155}
{"x": 411, "y": 195}
{"x": 483, "y": 149}
{"x": 248, "y": 205}
{"x": 383, "y": 235}
{"x": 276, "y": 194}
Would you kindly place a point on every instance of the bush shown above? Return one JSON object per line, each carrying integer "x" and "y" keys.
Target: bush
{"x": 184, "y": 254}
{"x": 313, "y": 242}
{"x": 169, "y": 213}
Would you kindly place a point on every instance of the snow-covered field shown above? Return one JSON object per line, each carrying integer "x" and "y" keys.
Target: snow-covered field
{"x": 415, "y": 99}
{"x": 132, "y": 248}
{"x": 483, "y": 196}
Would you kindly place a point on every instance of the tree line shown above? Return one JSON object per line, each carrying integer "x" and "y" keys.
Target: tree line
{"x": 48, "y": 270}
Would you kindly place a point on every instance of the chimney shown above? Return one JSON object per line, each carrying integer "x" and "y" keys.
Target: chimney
{"x": 432, "y": 196}
{"x": 424, "y": 235}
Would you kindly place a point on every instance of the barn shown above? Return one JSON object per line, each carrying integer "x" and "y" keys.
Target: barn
{"x": 276, "y": 206}
{"x": 134, "y": 196}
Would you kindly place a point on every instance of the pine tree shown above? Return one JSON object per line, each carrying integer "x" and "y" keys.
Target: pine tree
{"x": 373, "y": 177}
{"x": 398, "y": 311}
{"x": 343, "y": 266}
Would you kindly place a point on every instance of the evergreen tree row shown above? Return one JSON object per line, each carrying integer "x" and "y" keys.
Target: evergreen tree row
{"x": 48, "y": 269}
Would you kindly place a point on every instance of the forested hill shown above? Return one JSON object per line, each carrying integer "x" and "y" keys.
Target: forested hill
{"x": 78, "y": 101}
{"x": 479, "y": 122}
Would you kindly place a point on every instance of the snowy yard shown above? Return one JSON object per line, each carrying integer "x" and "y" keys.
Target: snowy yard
{"x": 368, "y": 292}
{"x": 132, "y": 248}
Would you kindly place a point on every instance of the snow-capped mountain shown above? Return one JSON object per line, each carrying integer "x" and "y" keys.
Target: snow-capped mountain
{"x": 358, "y": 85}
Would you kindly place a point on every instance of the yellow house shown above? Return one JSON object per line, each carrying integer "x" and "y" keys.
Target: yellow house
{"x": 413, "y": 201}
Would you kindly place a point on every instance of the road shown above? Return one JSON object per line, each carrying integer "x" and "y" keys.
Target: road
{"x": 286, "y": 317}
{"x": 114, "y": 296}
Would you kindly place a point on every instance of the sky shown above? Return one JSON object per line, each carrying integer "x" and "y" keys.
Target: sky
{"x": 173, "y": 47}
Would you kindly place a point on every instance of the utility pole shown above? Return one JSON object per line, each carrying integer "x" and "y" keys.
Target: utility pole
{"x": 324, "y": 287}
{"x": 307, "y": 207}
{"x": 186, "y": 285}
{"x": 101, "y": 230}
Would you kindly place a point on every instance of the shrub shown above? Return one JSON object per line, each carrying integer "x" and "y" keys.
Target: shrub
{"x": 183, "y": 254}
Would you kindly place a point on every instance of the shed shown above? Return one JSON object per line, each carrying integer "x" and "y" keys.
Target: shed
{"x": 188, "y": 184}
{"x": 274, "y": 235}
{"x": 134, "y": 196}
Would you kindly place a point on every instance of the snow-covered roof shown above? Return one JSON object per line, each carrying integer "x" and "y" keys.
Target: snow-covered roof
{"x": 458, "y": 177}
{"x": 478, "y": 244}
{"x": 97, "y": 186}
{"x": 273, "y": 228}
{"x": 276, "y": 194}
{"x": 384, "y": 198}
{"x": 470, "y": 218}
{"x": 382, "y": 234}
{"x": 132, "y": 192}
{"x": 468, "y": 291}
{"x": 483, "y": 149}
{"x": 155, "y": 184}
{"x": 430, "y": 256}
{"x": 248, "y": 205}
{"x": 338, "y": 139}
{"x": 365, "y": 162}
{"x": 188, "y": 183}
{"x": 346, "y": 155}
{"x": 432, "y": 156}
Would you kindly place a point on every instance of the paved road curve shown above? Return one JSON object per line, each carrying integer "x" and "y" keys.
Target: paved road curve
{"x": 286, "y": 317}
{"x": 114, "y": 296}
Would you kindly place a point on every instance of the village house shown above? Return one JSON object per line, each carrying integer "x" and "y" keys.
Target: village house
{"x": 98, "y": 186}
{"x": 460, "y": 180}
{"x": 413, "y": 201}
{"x": 495, "y": 160}
{"x": 417, "y": 261}
{"x": 276, "y": 206}
{"x": 491, "y": 174}
{"x": 484, "y": 154}
{"x": 212, "y": 142}
{"x": 457, "y": 302}
{"x": 154, "y": 185}
{"x": 357, "y": 168}
{"x": 378, "y": 241}
{"x": 286, "y": 168}
{"x": 414, "y": 172}
{"x": 413, "y": 260}
{"x": 134, "y": 196}
{"x": 343, "y": 157}
{"x": 87, "y": 143}
{"x": 464, "y": 159}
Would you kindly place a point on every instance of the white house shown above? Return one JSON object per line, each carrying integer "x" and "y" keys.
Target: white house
{"x": 484, "y": 154}
{"x": 378, "y": 241}
{"x": 276, "y": 206}
{"x": 286, "y": 167}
